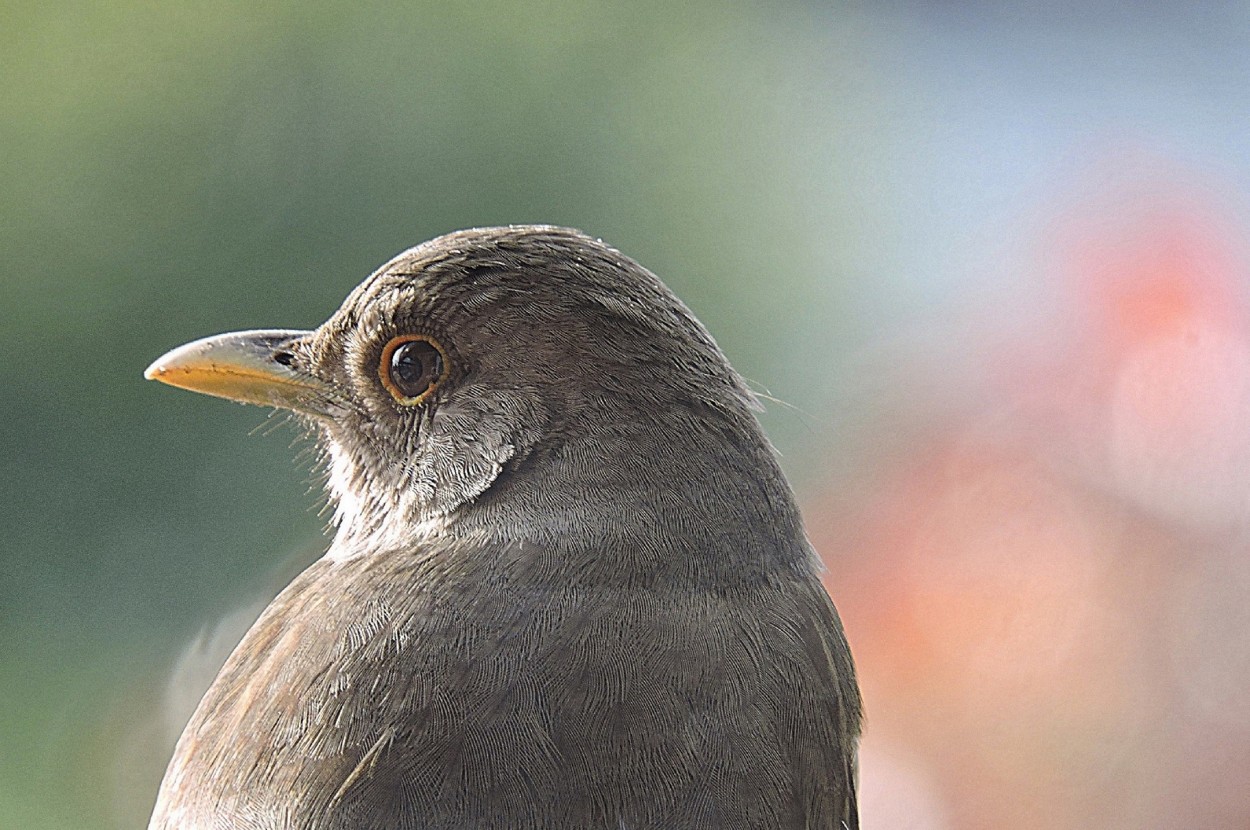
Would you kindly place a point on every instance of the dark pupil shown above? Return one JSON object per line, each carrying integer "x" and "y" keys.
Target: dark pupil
{"x": 414, "y": 366}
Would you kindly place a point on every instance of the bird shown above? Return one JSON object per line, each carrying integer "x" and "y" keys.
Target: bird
{"x": 568, "y": 585}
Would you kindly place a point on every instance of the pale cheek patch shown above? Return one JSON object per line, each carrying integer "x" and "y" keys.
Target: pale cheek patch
{"x": 342, "y": 493}
{"x": 366, "y": 527}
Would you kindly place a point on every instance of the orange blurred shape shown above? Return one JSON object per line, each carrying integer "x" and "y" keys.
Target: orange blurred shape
{"x": 1149, "y": 258}
{"x": 986, "y": 620}
{"x": 1007, "y": 588}
{"x": 1159, "y": 379}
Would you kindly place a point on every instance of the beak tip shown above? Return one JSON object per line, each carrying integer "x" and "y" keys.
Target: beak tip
{"x": 160, "y": 368}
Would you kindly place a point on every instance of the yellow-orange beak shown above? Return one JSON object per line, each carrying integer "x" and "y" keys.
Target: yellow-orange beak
{"x": 247, "y": 366}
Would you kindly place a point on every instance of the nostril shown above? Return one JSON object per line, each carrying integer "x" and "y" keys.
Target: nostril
{"x": 285, "y": 358}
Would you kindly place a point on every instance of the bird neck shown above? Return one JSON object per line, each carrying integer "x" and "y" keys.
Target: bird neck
{"x": 712, "y": 505}
{"x": 608, "y": 500}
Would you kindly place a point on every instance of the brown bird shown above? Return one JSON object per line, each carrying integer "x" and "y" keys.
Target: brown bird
{"x": 569, "y": 586}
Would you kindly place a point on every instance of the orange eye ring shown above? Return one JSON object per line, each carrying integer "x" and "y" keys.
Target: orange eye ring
{"x": 412, "y": 366}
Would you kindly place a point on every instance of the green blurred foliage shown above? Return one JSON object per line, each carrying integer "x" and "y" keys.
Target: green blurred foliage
{"x": 173, "y": 170}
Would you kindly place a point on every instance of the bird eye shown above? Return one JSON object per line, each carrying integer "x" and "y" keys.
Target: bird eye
{"x": 412, "y": 366}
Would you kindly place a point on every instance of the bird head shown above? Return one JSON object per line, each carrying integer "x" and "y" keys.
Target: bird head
{"x": 480, "y": 352}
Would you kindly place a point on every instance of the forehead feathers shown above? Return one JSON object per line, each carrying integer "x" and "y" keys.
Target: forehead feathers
{"x": 533, "y": 266}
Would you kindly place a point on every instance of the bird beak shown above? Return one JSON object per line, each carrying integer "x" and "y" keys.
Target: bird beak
{"x": 247, "y": 366}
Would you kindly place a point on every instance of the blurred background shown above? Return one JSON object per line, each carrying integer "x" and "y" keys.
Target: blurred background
{"x": 990, "y": 259}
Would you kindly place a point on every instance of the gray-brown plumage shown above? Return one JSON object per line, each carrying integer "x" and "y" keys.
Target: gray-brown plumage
{"x": 569, "y": 588}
